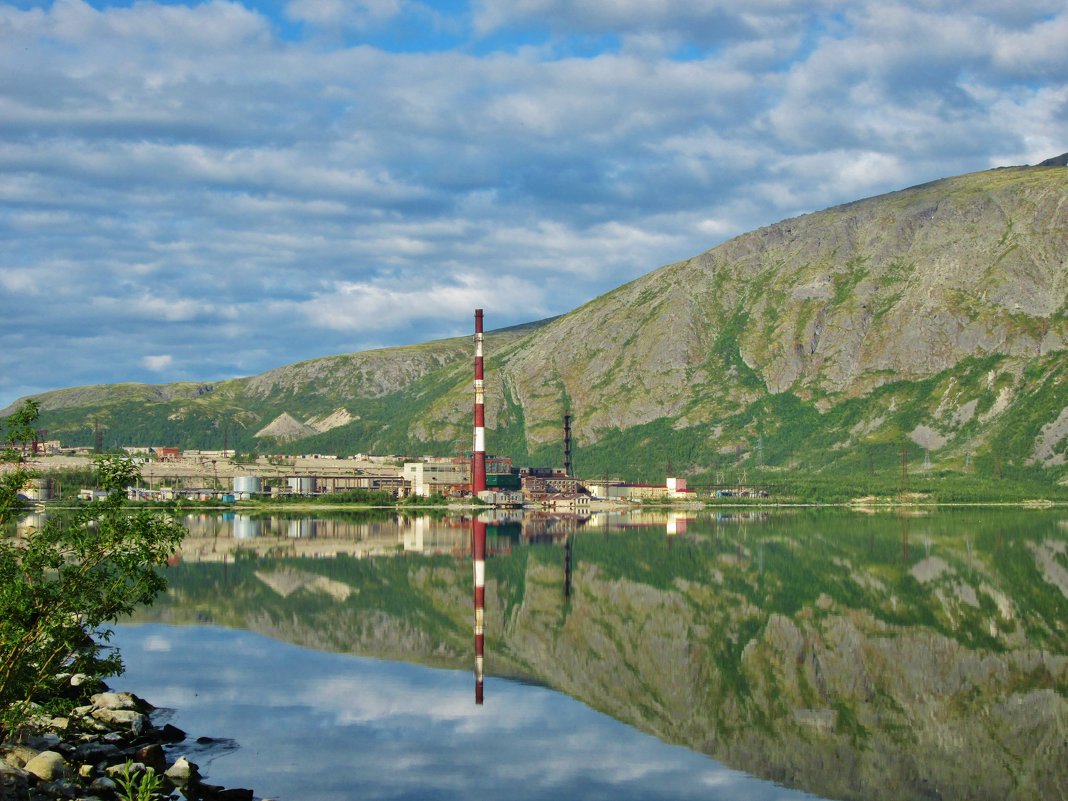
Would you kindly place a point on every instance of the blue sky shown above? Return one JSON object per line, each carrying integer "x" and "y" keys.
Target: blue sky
{"x": 198, "y": 191}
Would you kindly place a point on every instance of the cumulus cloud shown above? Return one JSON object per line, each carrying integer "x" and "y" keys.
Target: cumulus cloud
{"x": 243, "y": 184}
{"x": 158, "y": 363}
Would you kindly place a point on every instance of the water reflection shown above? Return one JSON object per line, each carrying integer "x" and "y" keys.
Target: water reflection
{"x": 314, "y": 726}
{"x": 922, "y": 656}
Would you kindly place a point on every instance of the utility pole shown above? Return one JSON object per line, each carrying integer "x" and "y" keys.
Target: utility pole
{"x": 568, "y": 467}
{"x": 904, "y": 469}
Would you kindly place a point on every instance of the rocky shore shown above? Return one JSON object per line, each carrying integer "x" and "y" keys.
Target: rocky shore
{"x": 109, "y": 748}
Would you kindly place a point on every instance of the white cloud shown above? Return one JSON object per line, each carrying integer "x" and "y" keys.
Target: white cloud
{"x": 381, "y": 305}
{"x": 158, "y": 363}
{"x": 196, "y": 177}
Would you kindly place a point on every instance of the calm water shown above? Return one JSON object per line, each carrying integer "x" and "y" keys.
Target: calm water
{"x": 841, "y": 654}
{"x": 314, "y": 725}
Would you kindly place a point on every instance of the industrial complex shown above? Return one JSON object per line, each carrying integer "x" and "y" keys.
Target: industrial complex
{"x": 169, "y": 473}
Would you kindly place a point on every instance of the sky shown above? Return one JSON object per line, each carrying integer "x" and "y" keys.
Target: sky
{"x": 200, "y": 191}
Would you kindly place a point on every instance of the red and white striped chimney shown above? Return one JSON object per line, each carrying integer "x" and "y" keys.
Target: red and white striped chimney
{"x": 478, "y": 466}
{"x": 478, "y": 537}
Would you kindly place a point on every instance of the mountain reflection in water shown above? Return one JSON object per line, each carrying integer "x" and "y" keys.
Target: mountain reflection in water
{"x": 884, "y": 656}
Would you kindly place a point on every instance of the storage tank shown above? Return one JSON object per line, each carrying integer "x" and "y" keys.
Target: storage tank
{"x": 302, "y": 485}
{"x": 250, "y": 485}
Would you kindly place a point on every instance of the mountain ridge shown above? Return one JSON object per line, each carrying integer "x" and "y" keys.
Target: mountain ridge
{"x": 935, "y": 315}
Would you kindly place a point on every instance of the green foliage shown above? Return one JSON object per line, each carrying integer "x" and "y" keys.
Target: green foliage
{"x": 139, "y": 786}
{"x": 436, "y": 499}
{"x": 19, "y": 433}
{"x": 845, "y": 284}
{"x": 359, "y": 496}
{"x": 67, "y": 481}
{"x": 60, "y": 586}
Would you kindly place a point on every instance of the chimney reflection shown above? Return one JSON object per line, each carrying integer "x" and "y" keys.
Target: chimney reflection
{"x": 478, "y": 537}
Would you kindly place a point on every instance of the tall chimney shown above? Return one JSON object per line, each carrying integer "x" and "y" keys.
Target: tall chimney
{"x": 478, "y": 536}
{"x": 478, "y": 466}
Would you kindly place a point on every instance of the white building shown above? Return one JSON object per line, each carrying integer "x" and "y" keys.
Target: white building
{"x": 428, "y": 478}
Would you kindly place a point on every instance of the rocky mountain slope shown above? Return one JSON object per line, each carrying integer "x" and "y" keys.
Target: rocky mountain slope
{"x": 935, "y": 317}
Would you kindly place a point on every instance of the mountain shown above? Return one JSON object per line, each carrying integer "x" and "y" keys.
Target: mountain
{"x": 933, "y": 319}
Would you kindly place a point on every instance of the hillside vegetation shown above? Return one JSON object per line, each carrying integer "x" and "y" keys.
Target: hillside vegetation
{"x": 934, "y": 320}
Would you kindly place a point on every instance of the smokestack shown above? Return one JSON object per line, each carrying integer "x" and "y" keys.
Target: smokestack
{"x": 478, "y": 536}
{"x": 478, "y": 466}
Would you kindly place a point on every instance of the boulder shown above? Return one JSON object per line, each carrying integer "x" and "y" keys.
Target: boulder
{"x": 17, "y": 756}
{"x": 61, "y": 788}
{"x": 153, "y": 756}
{"x": 182, "y": 771}
{"x": 122, "y": 718}
{"x": 96, "y": 751}
{"x": 131, "y": 768}
{"x": 47, "y": 766}
{"x": 103, "y": 785}
{"x": 111, "y": 700}
{"x": 210, "y": 792}
{"x": 14, "y": 781}
{"x": 171, "y": 734}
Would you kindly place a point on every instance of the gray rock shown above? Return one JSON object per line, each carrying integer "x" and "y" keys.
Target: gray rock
{"x": 14, "y": 781}
{"x": 153, "y": 756}
{"x": 17, "y": 756}
{"x": 124, "y": 718}
{"x": 130, "y": 767}
{"x": 118, "y": 701}
{"x": 96, "y": 751}
{"x": 47, "y": 766}
{"x": 62, "y": 788}
{"x": 182, "y": 771}
{"x": 78, "y": 679}
{"x": 103, "y": 785}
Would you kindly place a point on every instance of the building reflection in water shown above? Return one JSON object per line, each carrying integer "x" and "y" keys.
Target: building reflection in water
{"x": 214, "y": 537}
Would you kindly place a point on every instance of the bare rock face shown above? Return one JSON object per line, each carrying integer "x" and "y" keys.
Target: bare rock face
{"x": 286, "y": 428}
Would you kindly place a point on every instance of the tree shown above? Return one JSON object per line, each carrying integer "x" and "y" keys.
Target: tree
{"x": 20, "y": 430}
{"x": 61, "y": 585}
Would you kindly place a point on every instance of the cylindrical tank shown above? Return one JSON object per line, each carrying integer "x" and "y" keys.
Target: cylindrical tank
{"x": 302, "y": 485}
{"x": 248, "y": 484}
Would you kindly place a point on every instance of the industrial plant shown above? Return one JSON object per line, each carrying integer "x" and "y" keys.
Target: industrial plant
{"x": 170, "y": 474}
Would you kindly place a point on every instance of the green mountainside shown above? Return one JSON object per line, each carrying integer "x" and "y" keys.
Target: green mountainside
{"x": 933, "y": 319}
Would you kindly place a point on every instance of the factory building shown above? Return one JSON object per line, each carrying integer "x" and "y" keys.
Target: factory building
{"x": 673, "y": 489}
{"x": 437, "y": 476}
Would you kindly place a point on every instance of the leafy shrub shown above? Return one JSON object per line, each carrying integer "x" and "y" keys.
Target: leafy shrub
{"x": 60, "y": 586}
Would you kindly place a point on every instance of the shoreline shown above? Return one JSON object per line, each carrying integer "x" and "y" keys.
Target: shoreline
{"x": 108, "y": 747}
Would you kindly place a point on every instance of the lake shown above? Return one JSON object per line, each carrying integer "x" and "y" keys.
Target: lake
{"x": 745, "y": 654}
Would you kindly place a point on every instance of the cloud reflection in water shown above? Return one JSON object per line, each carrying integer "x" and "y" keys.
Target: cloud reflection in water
{"x": 319, "y": 726}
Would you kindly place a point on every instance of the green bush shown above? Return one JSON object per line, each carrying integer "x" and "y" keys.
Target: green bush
{"x": 60, "y": 586}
